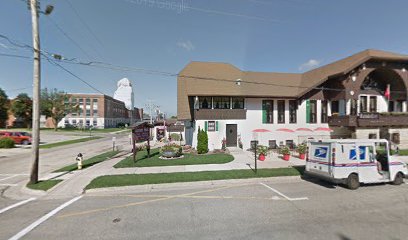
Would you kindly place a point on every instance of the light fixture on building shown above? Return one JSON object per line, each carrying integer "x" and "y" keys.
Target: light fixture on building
{"x": 404, "y": 69}
{"x": 352, "y": 93}
{"x": 354, "y": 77}
{"x": 364, "y": 67}
{"x": 238, "y": 82}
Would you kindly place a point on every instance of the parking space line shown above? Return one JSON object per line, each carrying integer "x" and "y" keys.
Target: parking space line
{"x": 44, "y": 218}
{"x": 16, "y": 205}
{"x": 8, "y": 184}
{"x": 283, "y": 195}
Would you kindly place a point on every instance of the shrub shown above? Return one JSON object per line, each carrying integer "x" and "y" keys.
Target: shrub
{"x": 175, "y": 136}
{"x": 202, "y": 142}
{"x": 6, "y": 142}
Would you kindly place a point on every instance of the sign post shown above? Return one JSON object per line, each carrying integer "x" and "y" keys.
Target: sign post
{"x": 141, "y": 133}
{"x": 254, "y": 144}
{"x": 113, "y": 143}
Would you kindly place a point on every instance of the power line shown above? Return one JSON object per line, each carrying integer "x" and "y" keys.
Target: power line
{"x": 15, "y": 56}
{"x": 70, "y": 38}
{"x": 84, "y": 22}
{"x": 71, "y": 73}
{"x": 156, "y": 72}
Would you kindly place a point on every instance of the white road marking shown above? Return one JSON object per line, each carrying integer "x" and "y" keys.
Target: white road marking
{"x": 8, "y": 185}
{"x": 19, "y": 174}
{"x": 44, "y": 218}
{"x": 16, "y": 205}
{"x": 283, "y": 195}
{"x": 8, "y": 177}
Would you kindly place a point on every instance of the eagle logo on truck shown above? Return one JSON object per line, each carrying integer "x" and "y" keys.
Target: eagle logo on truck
{"x": 321, "y": 152}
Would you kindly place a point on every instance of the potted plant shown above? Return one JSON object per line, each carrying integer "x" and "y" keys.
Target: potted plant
{"x": 301, "y": 149}
{"x": 262, "y": 151}
{"x": 285, "y": 151}
{"x": 171, "y": 151}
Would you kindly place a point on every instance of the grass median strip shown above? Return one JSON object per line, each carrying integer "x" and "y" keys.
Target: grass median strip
{"x": 157, "y": 178}
{"x": 189, "y": 159}
{"x": 89, "y": 162}
{"x": 63, "y": 143}
{"x": 44, "y": 185}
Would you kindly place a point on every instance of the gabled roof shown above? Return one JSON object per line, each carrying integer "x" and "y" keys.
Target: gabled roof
{"x": 218, "y": 79}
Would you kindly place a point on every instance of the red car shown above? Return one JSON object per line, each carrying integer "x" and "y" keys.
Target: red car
{"x": 18, "y": 137}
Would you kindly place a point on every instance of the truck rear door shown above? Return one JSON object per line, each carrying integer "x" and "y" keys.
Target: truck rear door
{"x": 319, "y": 158}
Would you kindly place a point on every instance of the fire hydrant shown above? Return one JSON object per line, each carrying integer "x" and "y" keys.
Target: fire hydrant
{"x": 79, "y": 159}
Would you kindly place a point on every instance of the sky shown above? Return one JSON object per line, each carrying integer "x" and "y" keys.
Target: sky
{"x": 165, "y": 35}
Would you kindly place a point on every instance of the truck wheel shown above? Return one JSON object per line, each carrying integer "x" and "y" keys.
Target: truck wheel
{"x": 25, "y": 142}
{"x": 353, "y": 182}
{"x": 399, "y": 179}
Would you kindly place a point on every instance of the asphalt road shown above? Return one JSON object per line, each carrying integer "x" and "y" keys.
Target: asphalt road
{"x": 293, "y": 209}
{"x": 16, "y": 168}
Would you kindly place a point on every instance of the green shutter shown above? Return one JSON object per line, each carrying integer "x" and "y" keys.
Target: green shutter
{"x": 216, "y": 126}
{"x": 263, "y": 111}
{"x": 206, "y": 126}
{"x": 307, "y": 111}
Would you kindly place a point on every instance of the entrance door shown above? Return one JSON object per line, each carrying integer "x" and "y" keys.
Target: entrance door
{"x": 231, "y": 135}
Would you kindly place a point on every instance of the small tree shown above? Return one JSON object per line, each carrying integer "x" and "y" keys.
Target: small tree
{"x": 54, "y": 104}
{"x": 202, "y": 142}
{"x": 22, "y": 107}
{"x": 4, "y": 105}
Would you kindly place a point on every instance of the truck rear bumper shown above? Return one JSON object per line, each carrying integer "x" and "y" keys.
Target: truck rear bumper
{"x": 326, "y": 178}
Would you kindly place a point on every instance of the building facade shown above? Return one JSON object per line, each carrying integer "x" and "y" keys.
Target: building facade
{"x": 344, "y": 99}
{"x": 99, "y": 111}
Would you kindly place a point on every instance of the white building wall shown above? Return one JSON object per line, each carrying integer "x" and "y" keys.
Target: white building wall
{"x": 254, "y": 121}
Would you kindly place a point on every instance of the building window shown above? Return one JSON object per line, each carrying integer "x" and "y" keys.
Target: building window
{"x": 211, "y": 126}
{"x": 373, "y": 103}
{"x": 88, "y": 123}
{"x": 372, "y": 136}
{"x": 88, "y": 112}
{"x": 267, "y": 111}
{"x": 390, "y": 106}
{"x": 292, "y": 111}
{"x": 95, "y": 123}
{"x": 353, "y": 107}
{"x": 363, "y": 104}
{"x": 324, "y": 112}
{"x": 74, "y": 122}
{"x": 311, "y": 116}
{"x": 95, "y": 113}
{"x": 205, "y": 102}
{"x": 335, "y": 107}
{"x": 398, "y": 106}
{"x": 88, "y": 101}
{"x": 272, "y": 144}
{"x": 281, "y": 111}
{"x": 238, "y": 103}
{"x": 395, "y": 138}
{"x": 221, "y": 102}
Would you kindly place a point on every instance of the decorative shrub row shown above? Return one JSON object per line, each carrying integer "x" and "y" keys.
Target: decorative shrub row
{"x": 6, "y": 142}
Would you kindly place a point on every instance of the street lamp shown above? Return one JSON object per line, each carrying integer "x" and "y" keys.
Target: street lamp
{"x": 238, "y": 82}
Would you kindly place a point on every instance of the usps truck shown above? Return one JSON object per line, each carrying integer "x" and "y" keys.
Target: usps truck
{"x": 354, "y": 161}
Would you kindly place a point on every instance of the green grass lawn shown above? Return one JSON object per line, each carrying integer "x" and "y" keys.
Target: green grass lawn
{"x": 63, "y": 143}
{"x": 89, "y": 162}
{"x": 157, "y": 178}
{"x": 44, "y": 185}
{"x": 96, "y": 130}
{"x": 189, "y": 159}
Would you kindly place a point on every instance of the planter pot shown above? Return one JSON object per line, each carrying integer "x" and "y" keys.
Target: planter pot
{"x": 169, "y": 154}
{"x": 286, "y": 157}
{"x": 261, "y": 157}
{"x": 302, "y": 156}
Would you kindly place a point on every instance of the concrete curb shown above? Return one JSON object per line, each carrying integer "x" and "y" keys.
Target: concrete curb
{"x": 187, "y": 185}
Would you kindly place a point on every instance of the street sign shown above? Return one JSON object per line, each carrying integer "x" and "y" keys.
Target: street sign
{"x": 141, "y": 134}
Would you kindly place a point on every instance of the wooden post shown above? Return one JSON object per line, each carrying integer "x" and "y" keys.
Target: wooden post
{"x": 134, "y": 150}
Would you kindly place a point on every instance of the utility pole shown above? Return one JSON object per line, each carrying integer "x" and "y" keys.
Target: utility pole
{"x": 36, "y": 92}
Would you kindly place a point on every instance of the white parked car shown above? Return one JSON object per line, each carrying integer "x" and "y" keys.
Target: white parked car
{"x": 354, "y": 161}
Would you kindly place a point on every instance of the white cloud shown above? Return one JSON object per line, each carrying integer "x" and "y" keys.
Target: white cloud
{"x": 312, "y": 63}
{"x": 187, "y": 45}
